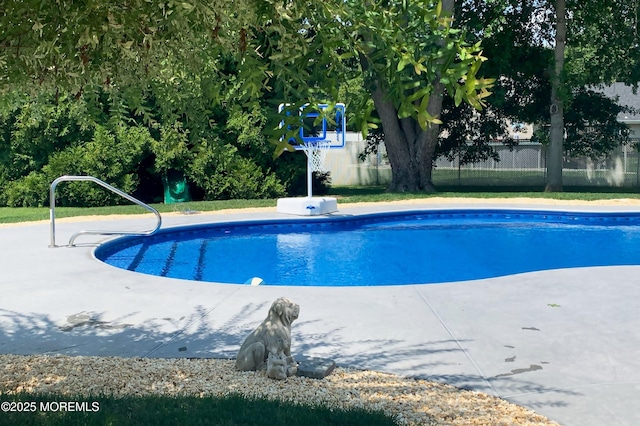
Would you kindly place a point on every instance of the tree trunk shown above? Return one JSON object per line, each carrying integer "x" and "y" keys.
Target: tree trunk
{"x": 410, "y": 149}
{"x": 428, "y": 139}
{"x": 404, "y": 171}
{"x": 556, "y": 109}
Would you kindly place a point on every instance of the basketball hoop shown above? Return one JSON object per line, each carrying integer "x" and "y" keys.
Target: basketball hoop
{"x": 316, "y": 153}
{"x": 315, "y": 140}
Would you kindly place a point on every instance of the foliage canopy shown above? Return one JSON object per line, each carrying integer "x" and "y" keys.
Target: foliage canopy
{"x": 518, "y": 38}
{"x": 183, "y": 68}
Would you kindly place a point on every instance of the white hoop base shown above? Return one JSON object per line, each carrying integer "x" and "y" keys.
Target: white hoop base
{"x": 309, "y": 206}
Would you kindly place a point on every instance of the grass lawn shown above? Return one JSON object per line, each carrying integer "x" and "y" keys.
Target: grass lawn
{"x": 162, "y": 410}
{"x": 350, "y": 194}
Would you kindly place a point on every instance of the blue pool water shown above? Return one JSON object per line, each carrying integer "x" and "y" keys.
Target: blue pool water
{"x": 383, "y": 249}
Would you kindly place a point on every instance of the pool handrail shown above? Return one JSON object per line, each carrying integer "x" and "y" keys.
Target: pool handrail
{"x": 52, "y": 210}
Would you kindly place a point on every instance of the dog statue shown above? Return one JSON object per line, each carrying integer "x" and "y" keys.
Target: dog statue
{"x": 269, "y": 345}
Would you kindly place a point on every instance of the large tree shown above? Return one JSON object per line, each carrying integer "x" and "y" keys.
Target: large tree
{"x": 411, "y": 138}
{"x": 548, "y": 82}
{"x": 595, "y": 42}
{"x": 409, "y": 55}
{"x": 409, "y": 52}
{"x": 556, "y": 105}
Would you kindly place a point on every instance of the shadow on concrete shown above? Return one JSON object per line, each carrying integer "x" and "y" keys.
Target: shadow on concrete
{"x": 200, "y": 336}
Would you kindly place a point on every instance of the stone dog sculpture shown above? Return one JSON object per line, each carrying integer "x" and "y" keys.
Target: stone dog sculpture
{"x": 269, "y": 345}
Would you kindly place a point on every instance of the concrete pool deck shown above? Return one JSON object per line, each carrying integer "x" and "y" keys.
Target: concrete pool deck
{"x": 565, "y": 343}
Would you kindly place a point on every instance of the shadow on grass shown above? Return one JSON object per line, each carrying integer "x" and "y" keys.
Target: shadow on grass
{"x": 160, "y": 410}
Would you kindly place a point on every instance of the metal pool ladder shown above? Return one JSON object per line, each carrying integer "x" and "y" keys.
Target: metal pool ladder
{"x": 52, "y": 210}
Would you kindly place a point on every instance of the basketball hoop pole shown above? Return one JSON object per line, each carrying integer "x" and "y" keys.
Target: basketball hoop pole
{"x": 309, "y": 177}
{"x": 316, "y": 152}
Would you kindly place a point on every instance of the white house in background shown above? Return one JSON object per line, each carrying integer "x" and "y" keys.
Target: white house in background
{"x": 626, "y": 97}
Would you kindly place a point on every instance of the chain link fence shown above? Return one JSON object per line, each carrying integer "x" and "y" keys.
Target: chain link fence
{"x": 525, "y": 165}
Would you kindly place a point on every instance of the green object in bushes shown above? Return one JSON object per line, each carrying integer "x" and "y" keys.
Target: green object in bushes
{"x": 176, "y": 188}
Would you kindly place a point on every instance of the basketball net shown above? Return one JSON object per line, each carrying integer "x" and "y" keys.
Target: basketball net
{"x": 316, "y": 153}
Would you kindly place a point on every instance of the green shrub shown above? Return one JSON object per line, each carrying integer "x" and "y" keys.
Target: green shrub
{"x": 30, "y": 191}
{"x": 222, "y": 173}
{"x": 172, "y": 151}
{"x": 224, "y": 154}
{"x": 110, "y": 156}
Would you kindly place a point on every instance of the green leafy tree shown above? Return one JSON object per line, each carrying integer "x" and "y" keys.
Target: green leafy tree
{"x": 77, "y": 47}
{"x": 591, "y": 125}
{"x": 595, "y": 42}
{"x": 184, "y": 104}
{"x": 409, "y": 55}
{"x": 409, "y": 52}
{"x": 521, "y": 59}
{"x": 410, "y": 100}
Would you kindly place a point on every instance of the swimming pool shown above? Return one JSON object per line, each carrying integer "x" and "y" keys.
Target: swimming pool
{"x": 415, "y": 247}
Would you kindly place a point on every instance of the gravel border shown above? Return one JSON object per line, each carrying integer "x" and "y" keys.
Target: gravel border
{"x": 410, "y": 401}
